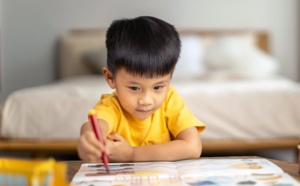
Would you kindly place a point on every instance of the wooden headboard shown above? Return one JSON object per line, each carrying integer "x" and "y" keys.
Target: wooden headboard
{"x": 76, "y": 42}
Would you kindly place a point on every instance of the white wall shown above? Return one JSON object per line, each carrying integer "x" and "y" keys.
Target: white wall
{"x": 31, "y": 27}
{"x": 0, "y": 12}
{"x": 0, "y": 45}
{"x": 0, "y": 49}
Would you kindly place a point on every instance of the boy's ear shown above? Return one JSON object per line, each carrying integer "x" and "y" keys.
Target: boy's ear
{"x": 109, "y": 77}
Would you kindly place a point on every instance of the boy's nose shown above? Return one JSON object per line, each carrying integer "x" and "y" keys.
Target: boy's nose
{"x": 145, "y": 100}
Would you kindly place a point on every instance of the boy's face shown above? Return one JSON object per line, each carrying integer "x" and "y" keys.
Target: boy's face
{"x": 140, "y": 96}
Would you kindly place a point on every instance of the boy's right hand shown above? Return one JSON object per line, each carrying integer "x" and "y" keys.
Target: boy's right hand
{"x": 89, "y": 147}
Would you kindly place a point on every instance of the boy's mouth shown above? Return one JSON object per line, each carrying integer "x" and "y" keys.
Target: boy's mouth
{"x": 144, "y": 111}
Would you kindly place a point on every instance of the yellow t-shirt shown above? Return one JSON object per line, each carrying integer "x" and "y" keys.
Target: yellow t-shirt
{"x": 162, "y": 126}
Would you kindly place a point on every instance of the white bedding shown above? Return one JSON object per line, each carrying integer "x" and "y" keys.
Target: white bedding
{"x": 54, "y": 111}
{"x": 252, "y": 109}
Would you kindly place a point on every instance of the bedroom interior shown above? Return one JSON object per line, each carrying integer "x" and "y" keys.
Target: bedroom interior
{"x": 260, "y": 90}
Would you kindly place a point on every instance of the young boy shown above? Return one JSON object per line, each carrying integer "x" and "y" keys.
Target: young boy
{"x": 145, "y": 119}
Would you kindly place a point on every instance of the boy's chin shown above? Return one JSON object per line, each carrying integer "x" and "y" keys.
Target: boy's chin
{"x": 142, "y": 116}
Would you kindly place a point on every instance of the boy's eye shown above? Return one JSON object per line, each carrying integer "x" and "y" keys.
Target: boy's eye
{"x": 134, "y": 88}
{"x": 158, "y": 87}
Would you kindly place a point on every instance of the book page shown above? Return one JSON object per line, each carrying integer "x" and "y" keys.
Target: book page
{"x": 124, "y": 171}
{"x": 186, "y": 172}
{"x": 224, "y": 167}
{"x": 247, "y": 180}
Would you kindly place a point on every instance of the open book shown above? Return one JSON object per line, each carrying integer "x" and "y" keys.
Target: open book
{"x": 187, "y": 172}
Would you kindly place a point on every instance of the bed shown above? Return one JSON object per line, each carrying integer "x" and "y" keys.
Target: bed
{"x": 245, "y": 104}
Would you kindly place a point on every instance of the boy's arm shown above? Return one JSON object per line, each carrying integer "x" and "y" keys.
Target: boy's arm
{"x": 186, "y": 145}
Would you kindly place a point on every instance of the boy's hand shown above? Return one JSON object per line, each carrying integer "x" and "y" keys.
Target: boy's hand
{"x": 119, "y": 149}
{"x": 89, "y": 147}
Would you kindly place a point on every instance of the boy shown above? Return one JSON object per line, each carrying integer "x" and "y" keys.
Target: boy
{"x": 145, "y": 119}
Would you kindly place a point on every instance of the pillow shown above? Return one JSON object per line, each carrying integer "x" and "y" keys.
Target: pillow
{"x": 190, "y": 64}
{"x": 233, "y": 58}
{"x": 95, "y": 59}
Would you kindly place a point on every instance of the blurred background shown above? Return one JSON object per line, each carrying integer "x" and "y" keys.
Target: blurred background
{"x": 29, "y": 31}
{"x": 30, "y": 28}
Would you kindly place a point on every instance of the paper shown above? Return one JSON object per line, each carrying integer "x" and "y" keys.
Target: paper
{"x": 188, "y": 172}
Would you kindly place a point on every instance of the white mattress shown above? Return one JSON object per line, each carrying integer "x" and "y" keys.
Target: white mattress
{"x": 254, "y": 109}
{"x": 54, "y": 111}
{"x": 264, "y": 109}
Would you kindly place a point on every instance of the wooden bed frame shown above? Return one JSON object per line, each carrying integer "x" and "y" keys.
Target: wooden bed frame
{"x": 44, "y": 148}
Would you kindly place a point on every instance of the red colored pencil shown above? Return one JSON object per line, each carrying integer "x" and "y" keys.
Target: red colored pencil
{"x": 97, "y": 131}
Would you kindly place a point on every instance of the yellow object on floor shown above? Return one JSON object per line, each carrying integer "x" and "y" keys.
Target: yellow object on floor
{"x": 32, "y": 172}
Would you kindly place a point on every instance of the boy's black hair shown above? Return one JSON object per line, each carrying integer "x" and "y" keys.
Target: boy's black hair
{"x": 144, "y": 46}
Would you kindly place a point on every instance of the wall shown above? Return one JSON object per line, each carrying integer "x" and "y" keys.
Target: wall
{"x": 30, "y": 29}
{"x": 0, "y": 44}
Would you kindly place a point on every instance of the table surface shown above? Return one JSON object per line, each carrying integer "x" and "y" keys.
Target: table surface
{"x": 290, "y": 168}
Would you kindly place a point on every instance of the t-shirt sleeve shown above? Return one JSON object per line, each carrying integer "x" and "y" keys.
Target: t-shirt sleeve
{"x": 179, "y": 116}
{"x": 107, "y": 109}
